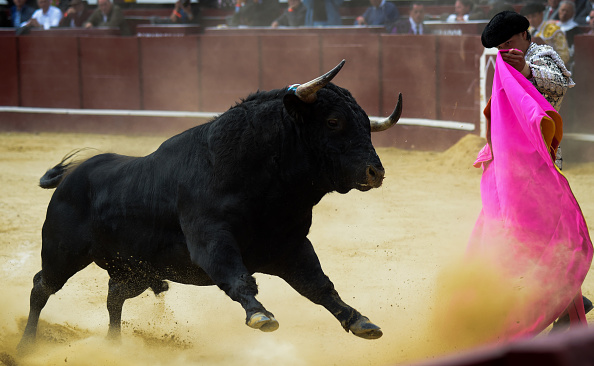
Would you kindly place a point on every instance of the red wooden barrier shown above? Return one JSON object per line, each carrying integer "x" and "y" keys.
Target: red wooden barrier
{"x": 169, "y": 73}
{"x": 577, "y": 109}
{"x": 444, "y": 28}
{"x": 76, "y": 32}
{"x": 167, "y": 30}
{"x": 408, "y": 68}
{"x": 458, "y": 78}
{"x": 9, "y": 73}
{"x": 229, "y": 70}
{"x": 361, "y": 73}
{"x": 438, "y": 75}
{"x": 288, "y": 59}
{"x": 584, "y": 79}
{"x": 51, "y": 80}
{"x": 110, "y": 72}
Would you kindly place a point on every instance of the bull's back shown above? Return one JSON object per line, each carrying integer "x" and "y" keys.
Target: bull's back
{"x": 112, "y": 204}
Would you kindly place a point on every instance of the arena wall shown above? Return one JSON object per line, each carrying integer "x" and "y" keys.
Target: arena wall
{"x": 179, "y": 69}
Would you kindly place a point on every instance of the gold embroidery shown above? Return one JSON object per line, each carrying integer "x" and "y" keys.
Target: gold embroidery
{"x": 549, "y": 30}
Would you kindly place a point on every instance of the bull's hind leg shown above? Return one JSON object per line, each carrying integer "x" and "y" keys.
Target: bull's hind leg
{"x": 39, "y": 296}
{"x": 121, "y": 290}
{"x": 303, "y": 272}
{"x": 46, "y": 282}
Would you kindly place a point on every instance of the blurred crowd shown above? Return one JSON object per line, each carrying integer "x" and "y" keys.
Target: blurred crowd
{"x": 554, "y": 22}
{"x": 289, "y": 13}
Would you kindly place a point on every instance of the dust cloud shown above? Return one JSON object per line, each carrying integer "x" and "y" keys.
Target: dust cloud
{"x": 393, "y": 253}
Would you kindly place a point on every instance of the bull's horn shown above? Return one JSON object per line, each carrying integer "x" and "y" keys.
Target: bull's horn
{"x": 377, "y": 126}
{"x": 307, "y": 92}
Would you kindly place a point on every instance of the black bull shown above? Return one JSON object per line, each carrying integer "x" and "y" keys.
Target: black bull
{"x": 215, "y": 204}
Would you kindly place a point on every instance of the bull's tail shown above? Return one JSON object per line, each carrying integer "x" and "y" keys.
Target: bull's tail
{"x": 53, "y": 177}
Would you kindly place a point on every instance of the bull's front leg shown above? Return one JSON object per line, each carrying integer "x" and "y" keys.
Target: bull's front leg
{"x": 217, "y": 254}
{"x": 302, "y": 270}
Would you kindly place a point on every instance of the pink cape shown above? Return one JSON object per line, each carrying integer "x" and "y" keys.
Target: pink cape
{"x": 531, "y": 225}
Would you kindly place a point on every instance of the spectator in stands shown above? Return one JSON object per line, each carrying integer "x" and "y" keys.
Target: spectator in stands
{"x": 322, "y": 12}
{"x": 498, "y": 7}
{"x": 293, "y": 16}
{"x": 545, "y": 32}
{"x": 254, "y": 13}
{"x": 46, "y": 16}
{"x": 414, "y": 23}
{"x": 380, "y": 12}
{"x": 20, "y": 13}
{"x": 582, "y": 11}
{"x": 462, "y": 9}
{"x": 63, "y": 5}
{"x": 223, "y": 4}
{"x": 108, "y": 15}
{"x": 477, "y": 14}
{"x": 182, "y": 13}
{"x": 76, "y": 15}
{"x": 552, "y": 10}
{"x": 591, "y": 22}
{"x": 567, "y": 23}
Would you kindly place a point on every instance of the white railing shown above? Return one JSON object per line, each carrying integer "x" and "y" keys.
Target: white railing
{"x": 487, "y": 67}
{"x": 451, "y": 125}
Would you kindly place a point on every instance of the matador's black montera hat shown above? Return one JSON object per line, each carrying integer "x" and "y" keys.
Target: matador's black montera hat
{"x": 502, "y": 27}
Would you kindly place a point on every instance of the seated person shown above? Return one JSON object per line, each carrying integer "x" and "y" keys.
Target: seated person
{"x": 46, "y": 16}
{"x": 254, "y": 13}
{"x": 462, "y": 9}
{"x": 567, "y": 22}
{"x": 322, "y": 13}
{"x": 380, "y": 12}
{"x": 20, "y": 13}
{"x": 414, "y": 23}
{"x": 552, "y": 10}
{"x": 582, "y": 11}
{"x": 108, "y": 15}
{"x": 76, "y": 14}
{"x": 293, "y": 16}
{"x": 182, "y": 13}
{"x": 498, "y": 7}
{"x": 545, "y": 32}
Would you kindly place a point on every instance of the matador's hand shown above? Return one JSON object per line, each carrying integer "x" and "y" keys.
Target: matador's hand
{"x": 515, "y": 58}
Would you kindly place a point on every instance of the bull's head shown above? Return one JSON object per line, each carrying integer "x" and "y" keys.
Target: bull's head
{"x": 308, "y": 93}
{"x": 344, "y": 139}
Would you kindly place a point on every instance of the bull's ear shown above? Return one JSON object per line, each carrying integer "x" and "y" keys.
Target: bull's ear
{"x": 294, "y": 106}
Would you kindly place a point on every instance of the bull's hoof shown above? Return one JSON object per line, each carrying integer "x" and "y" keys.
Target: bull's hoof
{"x": 263, "y": 322}
{"x": 114, "y": 335}
{"x": 365, "y": 329}
{"x": 159, "y": 287}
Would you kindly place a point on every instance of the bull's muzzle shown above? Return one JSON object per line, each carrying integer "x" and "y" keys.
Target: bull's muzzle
{"x": 374, "y": 176}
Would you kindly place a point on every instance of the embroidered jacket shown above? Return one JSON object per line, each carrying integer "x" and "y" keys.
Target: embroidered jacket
{"x": 552, "y": 34}
{"x": 549, "y": 74}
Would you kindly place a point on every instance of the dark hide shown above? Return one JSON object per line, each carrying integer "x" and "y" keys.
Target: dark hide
{"x": 212, "y": 206}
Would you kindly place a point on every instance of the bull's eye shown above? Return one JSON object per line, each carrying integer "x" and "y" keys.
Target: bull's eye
{"x": 333, "y": 124}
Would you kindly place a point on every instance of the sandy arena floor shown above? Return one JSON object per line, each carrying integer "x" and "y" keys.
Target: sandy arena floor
{"x": 383, "y": 249}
